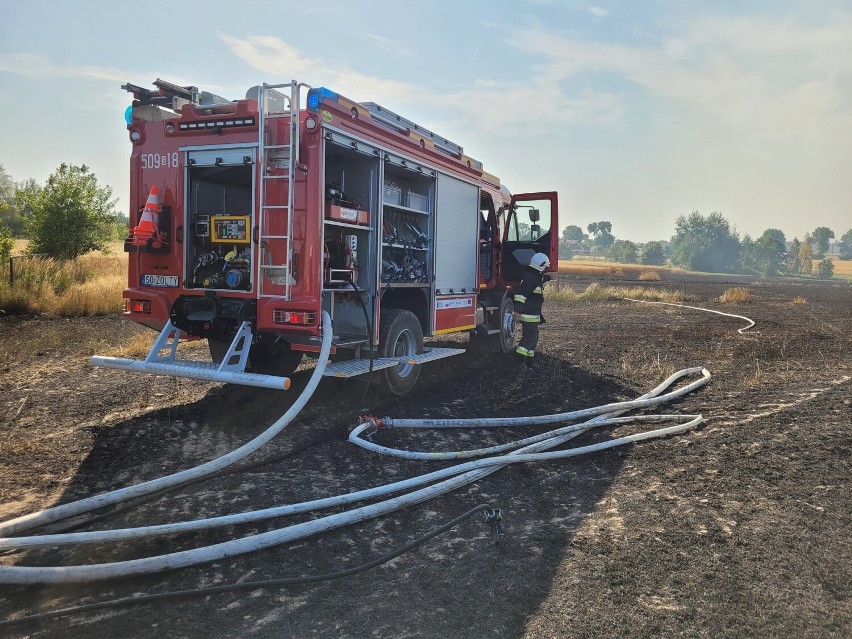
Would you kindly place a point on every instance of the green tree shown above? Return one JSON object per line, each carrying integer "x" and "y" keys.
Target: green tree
{"x": 794, "y": 264}
{"x": 846, "y": 246}
{"x": 601, "y": 233}
{"x": 652, "y": 254}
{"x": 770, "y": 252}
{"x": 705, "y": 243}
{"x": 777, "y": 235}
{"x": 623, "y": 252}
{"x": 819, "y": 239}
{"x": 825, "y": 269}
{"x": 572, "y": 232}
{"x": 69, "y": 215}
{"x": 806, "y": 257}
{"x": 7, "y": 243}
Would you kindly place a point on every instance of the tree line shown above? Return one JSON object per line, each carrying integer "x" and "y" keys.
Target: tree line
{"x": 69, "y": 215}
{"x": 709, "y": 243}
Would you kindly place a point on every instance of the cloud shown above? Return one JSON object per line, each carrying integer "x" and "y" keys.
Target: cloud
{"x": 499, "y": 107}
{"x": 747, "y": 72}
{"x": 598, "y": 12}
{"x": 32, "y": 64}
{"x": 393, "y": 47}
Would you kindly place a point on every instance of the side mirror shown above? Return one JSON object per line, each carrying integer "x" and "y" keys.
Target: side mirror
{"x": 534, "y": 215}
{"x": 535, "y": 231}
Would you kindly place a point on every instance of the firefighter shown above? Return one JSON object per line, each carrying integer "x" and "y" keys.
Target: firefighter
{"x": 528, "y": 302}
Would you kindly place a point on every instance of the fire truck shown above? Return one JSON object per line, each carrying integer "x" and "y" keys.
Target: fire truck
{"x": 249, "y": 218}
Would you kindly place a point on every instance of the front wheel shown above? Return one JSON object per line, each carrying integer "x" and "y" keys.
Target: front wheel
{"x": 400, "y": 335}
{"x": 498, "y": 335}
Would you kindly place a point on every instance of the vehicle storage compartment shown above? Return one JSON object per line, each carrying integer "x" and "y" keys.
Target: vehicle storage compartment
{"x": 408, "y": 196}
{"x": 220, "y": 222}
{"x": 349, "y": 247}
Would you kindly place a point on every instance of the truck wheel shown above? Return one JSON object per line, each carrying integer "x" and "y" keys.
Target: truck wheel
{"x": 273, "y": 359}
{"x": 400, "y": 334}
{"x": 264, "y": 359}
{"x": 504, "y": 340}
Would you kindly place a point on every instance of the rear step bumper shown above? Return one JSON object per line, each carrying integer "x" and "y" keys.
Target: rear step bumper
{"x": 162, "y": 361}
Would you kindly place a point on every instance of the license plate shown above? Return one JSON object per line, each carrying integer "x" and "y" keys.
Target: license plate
{"x": 166, "y": 281}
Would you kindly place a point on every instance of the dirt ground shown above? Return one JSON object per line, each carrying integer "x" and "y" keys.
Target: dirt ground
{"x": 741, "y": 528}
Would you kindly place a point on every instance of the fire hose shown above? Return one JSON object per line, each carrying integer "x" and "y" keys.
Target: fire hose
{"x": 449, "y": 479}
{"x": 529, "y": 449}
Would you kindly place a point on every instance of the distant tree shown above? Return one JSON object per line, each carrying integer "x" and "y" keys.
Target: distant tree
{"x": 794, "y": 264}
{"x": 777, "y": 235}
{"x": 601, "y": 233}
{"x": 69, "y": 214}
{"x": 846, "y": 246}
{"x": 623, "y": 252}
{"x": 705, "y": 243}
{"x": 825, "y": 269}
{"x": 652, "y": 254}
{"x": 770, "y": 252}
{"x": 572, "y": 232}
{"x": 806, "y": 257}
{"x": 748, "y": 255}
{"x": 819, "y": 239}
{"x": 572, "y": 237}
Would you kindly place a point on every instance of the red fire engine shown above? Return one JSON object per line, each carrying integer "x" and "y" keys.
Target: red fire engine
{"x": 249, "y": 218}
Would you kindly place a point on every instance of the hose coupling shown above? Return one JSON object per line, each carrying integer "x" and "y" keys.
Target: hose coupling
{"x": 374, "y": 424}
{"x": 494, "y": 518}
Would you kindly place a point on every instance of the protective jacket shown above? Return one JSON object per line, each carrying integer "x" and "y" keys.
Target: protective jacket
{"x": 530, "y": 296}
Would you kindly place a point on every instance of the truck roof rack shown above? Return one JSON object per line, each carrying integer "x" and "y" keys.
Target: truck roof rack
{"x": 400, "y": 123}
{"x": 172, "y": 96}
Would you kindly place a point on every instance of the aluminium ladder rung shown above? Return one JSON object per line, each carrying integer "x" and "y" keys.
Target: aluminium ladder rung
{"x": 273, "y": 237}
{"x": 275, "y": 206}
{"x": 275, "y": 177}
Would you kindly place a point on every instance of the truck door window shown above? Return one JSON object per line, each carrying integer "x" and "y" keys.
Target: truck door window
{"x": 530, "y": 221}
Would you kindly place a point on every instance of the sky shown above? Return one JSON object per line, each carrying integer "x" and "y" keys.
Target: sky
{"x": 636, "y": 112}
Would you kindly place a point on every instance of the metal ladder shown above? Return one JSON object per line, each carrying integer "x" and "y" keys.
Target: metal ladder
{"x": 272, "y": 275}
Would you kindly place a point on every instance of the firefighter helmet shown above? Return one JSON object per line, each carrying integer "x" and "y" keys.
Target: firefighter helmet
{"x": 539, "y": 262}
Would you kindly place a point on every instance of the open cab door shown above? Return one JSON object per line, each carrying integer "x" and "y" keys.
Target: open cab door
{"x": 531, "y": 226}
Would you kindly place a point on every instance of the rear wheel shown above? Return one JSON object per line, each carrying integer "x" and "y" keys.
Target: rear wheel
{"x": 400, "y": 335}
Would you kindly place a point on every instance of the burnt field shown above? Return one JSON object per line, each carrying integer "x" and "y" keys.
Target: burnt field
{"x": 740, "y": 528}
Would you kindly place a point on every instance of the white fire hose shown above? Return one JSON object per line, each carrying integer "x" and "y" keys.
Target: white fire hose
{"x": 525, "y": 450}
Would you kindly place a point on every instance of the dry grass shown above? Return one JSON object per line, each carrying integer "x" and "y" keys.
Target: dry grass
{"x": 90, "y": 285}
{"x": 592, "y": 267}
{"x": 799, "y": 300}
{"x": 598, "y": 293}
{"x": 649, "y": 276}
{"x": 842, "y": 268}
{"x": 737, "y": 295}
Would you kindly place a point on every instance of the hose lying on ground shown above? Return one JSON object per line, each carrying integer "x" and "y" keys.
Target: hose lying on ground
{"x": 464, "y": 474}
{"x": 179, "y": 595}
{"x": 698, "y": 308}
{"x": 49, "y": 515}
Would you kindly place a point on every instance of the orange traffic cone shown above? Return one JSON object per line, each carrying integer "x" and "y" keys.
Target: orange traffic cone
{"x": 147, "y": 227}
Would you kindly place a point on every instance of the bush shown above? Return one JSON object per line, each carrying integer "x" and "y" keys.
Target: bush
{"x": 735, "y": 296}
{"x": 71, "y": 215}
